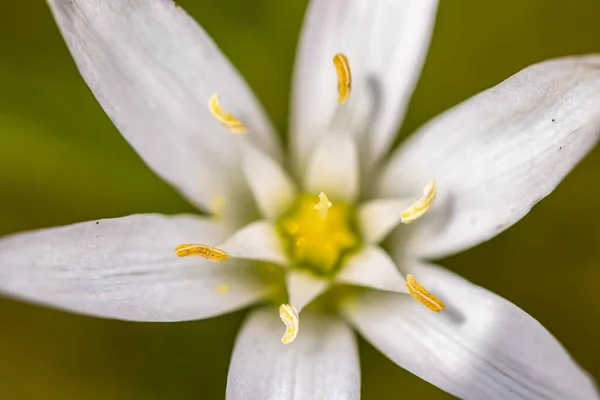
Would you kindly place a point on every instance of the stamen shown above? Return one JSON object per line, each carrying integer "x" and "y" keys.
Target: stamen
{"x": 342, "y": 68}
{"x": 323, "y": 205}
{"x": 420, "y": 294}
{"x": 420, "y": 207}
{"x": 290, "y": 318}
{"x": 202, "y": 250}
{"x": 230, "y": 122}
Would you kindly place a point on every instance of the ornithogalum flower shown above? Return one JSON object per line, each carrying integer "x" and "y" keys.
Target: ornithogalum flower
{"x": 303, "y": 241}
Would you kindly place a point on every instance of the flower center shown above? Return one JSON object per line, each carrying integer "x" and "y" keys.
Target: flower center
{"x": 317, "y": 235}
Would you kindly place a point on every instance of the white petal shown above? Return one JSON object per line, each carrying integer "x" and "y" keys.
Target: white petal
{"x": 322, "y": 363}
{"x": 480, "y": 347}
{"x": 272, "y": 187}
{"x": 385, "y": 42}
{"x": 304, "y": 287}
{"x": 372, "y": 267}
{"x": 377, "y": 218}
{"x": 499, "y": 153}
{"x": 257, "y": 241}
{"x": 333, "y": 168}
{"x": 153, "y": 70}
{"x": 126, "y": 268}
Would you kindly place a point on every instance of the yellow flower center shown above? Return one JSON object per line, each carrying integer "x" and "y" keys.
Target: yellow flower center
{"x": 318, "y": 234}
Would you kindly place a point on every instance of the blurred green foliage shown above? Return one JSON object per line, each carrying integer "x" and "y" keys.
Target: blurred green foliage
{"x": 62, "y": 161}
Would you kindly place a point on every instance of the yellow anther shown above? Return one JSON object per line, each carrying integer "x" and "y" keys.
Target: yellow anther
{"x": 420, "y": 294}
{"x": 230, "y": 122}
{"x": 323, "y": 205}
{"x": 342, "y": 68}
{"x": 420, "y": 207}
{"x": 289, "y": 316}
{"x": 202, "y": 250}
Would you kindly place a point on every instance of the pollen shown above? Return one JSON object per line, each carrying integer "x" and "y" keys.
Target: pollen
{"x": 289, "y": 316}
{"x": 230, "y": 122}
{"x": 344, "y": 77}
{"x": 202, "y": 250}
{"x": 420, "y": 207}
{"x": 421, "y": 295}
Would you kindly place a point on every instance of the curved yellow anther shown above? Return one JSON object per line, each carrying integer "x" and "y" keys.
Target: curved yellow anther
{"x": 202, "y": 250}
{"x": 420, "y": 294}
{"x": 290, "y": 318}
{"x": 420, "y": 207}
{"x": 344, "y": 75}
{"x": 230, "y": 122}
{"x": 323, "y": 205}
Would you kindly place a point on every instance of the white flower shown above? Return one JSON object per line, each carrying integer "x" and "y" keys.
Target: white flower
{"x": 488, "y": 160}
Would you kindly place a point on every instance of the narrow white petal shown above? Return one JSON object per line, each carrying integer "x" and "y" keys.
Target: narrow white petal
{"x": 273, "y": 189}
{"x": 322, "y": 363}
{"x": 373, "y": 268}
{"x": 480, "y": 347}
{"x": 126, "y": 268}
{"x": 385, "y": 42}
{"x": 256, "y": 241}
{"x": 153, "y": 70}
{"x": 304, "y": 287}
{"x": 377, "y": 218}
{"x": 498, "y": 153}
{"x": 333, "y": 168}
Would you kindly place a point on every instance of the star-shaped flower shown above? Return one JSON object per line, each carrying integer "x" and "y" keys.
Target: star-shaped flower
{"x": 303, "y": 242}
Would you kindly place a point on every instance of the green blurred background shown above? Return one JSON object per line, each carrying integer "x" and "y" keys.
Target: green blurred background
{"x": 62, "y": 161}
